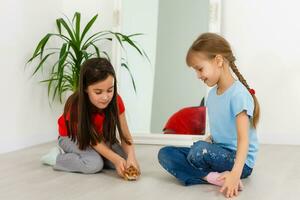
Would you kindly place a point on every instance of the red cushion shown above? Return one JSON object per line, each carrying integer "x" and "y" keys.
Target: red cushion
{"x": 190, "y": 120}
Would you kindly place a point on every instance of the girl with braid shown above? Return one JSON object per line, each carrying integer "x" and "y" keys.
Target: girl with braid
{"x": 233, "y": 112}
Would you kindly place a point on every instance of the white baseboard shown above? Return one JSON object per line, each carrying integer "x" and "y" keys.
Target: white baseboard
{"x": 279, "y": 138}
{"x": 166, "y": 139}
{"x": 187, "y": 140}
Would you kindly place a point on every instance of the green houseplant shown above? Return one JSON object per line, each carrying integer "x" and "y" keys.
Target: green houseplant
{"x": 76, "y": 47}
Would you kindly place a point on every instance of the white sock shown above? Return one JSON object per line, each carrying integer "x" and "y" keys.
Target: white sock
{"x": 50, "y": 158}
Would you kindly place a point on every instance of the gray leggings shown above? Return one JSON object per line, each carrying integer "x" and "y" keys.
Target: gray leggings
{"x": 88, "y": 161}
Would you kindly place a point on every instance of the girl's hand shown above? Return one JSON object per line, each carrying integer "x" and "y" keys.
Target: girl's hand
{"x": 131, "y": 161}
{"x": 231, "y": 184}
{"x": 208, "y": 139}
{"x": 120, "y": 165}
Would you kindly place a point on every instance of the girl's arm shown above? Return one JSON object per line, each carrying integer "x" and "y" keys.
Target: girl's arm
{"x": 242, "y": 124}
{"x": 129, "y": 149}
{"x": 232, "y": 179}
{"x": 117, "y": 160}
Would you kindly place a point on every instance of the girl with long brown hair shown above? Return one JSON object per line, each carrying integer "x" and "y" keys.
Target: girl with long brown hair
{"x": 88, "y": 127}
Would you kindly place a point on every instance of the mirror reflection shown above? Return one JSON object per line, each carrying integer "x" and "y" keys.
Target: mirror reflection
{"x": 168, "y": 92}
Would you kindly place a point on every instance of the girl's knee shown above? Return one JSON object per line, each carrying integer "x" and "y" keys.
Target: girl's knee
{"x": 198, "y": 151}
{"x": 94, "y": 166}
{"x": 165, "y": 156}
{"x": 164, "y": 153}
{"x": 200, "y": 145}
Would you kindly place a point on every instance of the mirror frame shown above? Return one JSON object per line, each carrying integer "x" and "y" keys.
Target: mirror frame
{"x": 154, "y": 138}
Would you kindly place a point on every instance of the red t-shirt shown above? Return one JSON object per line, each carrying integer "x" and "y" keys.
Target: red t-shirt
{"x": 97, "y": 119}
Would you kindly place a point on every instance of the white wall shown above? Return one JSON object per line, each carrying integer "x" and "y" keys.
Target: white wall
{"x": 26, "y": 117}
{"x": 265, "y": 38}
{"x": 264, "y": 35}
{"x": 88, "y": 8}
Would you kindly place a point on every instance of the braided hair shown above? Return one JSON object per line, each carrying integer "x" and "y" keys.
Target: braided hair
{"x": 213, "y": 44}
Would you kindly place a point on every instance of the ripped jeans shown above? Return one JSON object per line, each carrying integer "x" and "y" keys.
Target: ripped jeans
{"x": 190, "y": 165}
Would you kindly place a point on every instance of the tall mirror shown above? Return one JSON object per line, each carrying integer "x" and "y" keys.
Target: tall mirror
{"x": 165, "y": 84}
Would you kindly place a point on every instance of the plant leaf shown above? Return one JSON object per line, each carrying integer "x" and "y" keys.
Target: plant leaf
{"x": 41, "y": 45}
{"x": 77, "y": 26}
{"x": 97, "y": 50}
{"x": 132, "y": 80}
{"x": 40, "y": 65}
{"x": 62, "y": 22}
{"x": 58, "y": 25}
{"x": 88, "y": 26}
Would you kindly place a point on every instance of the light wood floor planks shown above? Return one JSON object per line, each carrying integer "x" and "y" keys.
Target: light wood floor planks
{"x": 276, "y": 176}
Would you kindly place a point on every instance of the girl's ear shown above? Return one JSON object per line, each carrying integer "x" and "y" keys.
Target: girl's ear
{"x": 219, "y": 60}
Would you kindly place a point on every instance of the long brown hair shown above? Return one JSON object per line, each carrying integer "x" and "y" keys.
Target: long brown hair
{"x": 78, "y": 105}
{"x": 212, "y": 44}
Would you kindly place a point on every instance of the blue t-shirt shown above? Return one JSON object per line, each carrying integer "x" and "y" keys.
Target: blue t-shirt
{"x": 222, "y": 112}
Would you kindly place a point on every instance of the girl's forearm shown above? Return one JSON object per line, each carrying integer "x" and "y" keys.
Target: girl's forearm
{"x": 242, "y": 122}
{"x": 129, "y": 149}
{"x": 241, "y": 155}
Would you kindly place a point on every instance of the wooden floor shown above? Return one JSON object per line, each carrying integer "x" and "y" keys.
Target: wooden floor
{"x": 276, "y": 176}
